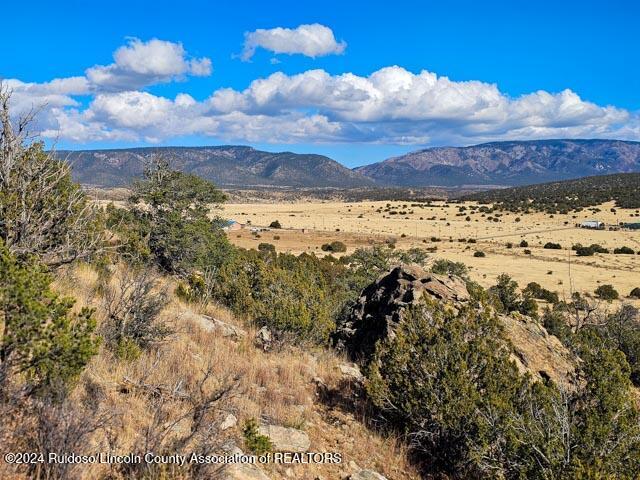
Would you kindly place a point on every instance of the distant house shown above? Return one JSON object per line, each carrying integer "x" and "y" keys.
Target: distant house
{"x": 231, "y": 225}
{"x": 595, "y": 224}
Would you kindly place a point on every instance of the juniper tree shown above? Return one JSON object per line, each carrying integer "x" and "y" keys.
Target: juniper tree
{"x": 41, "y": 339}
{"x": 43, "y": 213}
{"x": 173, "y": 208}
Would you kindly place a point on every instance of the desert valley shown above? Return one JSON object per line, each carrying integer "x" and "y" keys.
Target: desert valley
{"x": 440, "y": 228}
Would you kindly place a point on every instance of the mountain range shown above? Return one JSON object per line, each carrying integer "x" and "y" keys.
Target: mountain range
{"x": 507, "y": 163}
{"x": 497, "y": 163}
{"x": 227, "y": 166}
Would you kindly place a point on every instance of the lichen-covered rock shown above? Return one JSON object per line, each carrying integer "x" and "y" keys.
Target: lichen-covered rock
{"x": 381, "y": 307}
{"x": 286, "y": 439}
{"x": 229, "y": 421}
{"x": 213, "y": 325}
{"x": 264, "y": 339}
{"x": 351, "y": 371}
{"x": 538, "y": 352}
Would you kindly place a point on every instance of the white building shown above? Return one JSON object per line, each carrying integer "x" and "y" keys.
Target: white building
{"x": 592, "y": 224}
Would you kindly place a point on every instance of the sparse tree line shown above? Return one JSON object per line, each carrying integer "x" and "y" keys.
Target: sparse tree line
{"x": 565, "y": 196}
{"x": 446, "y": 382}
{"x": 583, "y": 250}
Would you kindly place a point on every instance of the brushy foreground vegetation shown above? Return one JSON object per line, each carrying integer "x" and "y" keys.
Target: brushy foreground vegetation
{"x": 446, "y": 383}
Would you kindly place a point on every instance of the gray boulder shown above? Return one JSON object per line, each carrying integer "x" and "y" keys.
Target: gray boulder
{"x": 229, "y": 421}
{"x": 286, "y": 439}
{"x": 239, "y": 471}
{"x": 351, "y": 371}
{"x": 213, "y": 325}
{"x": 381, "y": 306}
{"x": 264, "y": 339}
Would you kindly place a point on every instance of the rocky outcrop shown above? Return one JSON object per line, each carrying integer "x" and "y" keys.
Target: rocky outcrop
{"x": 213, "y": 325}
{"x": 264, "y": 339}
{"x": 382, "y": 305}
{"x": 230, "y": 421}
{"x": 286, "y": 439}
{"x": 367, "y": 475}
{"x": 351, "y": 371}
{"x": 536, "y": 351}
{"x": 239, "y": 470}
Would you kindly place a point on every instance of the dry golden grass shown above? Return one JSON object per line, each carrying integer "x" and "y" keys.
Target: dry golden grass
{"x": 277, "y": 387}
{"x": 359, "y": 224}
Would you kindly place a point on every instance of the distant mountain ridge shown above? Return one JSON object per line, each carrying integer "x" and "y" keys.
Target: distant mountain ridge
{"x": 507, "y": 163}
{"x": 224, "y": 165}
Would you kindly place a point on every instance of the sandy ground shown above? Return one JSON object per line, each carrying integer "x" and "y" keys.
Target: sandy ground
{"x": 307, "y": 225}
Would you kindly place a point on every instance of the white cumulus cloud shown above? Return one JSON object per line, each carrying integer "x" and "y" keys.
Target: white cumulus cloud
{"x": 395, "y": 105}
{"x": 136, "y": 65}
{"x": 139, "y": 64}
{"x": 390, "y": 105}
{"x": 312, "y": 40}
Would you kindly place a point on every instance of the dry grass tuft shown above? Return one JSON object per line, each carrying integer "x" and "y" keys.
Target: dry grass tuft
{"x": 277, "y": 387}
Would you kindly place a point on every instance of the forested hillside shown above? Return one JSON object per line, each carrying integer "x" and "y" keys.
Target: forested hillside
{"x": 568, "y": 195}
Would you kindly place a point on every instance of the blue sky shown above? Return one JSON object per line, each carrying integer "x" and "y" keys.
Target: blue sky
{"x": 449, "y": 73}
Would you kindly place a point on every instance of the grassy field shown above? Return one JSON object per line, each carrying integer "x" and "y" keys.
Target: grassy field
{"x": 306, "y": 225}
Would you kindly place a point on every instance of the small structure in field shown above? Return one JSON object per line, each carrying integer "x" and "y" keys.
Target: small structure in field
{"x": 231, "y": 225}
{"x": 593, "y": 224}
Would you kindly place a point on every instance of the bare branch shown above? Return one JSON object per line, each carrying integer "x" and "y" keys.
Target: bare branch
{"x": 42, "y": 212}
